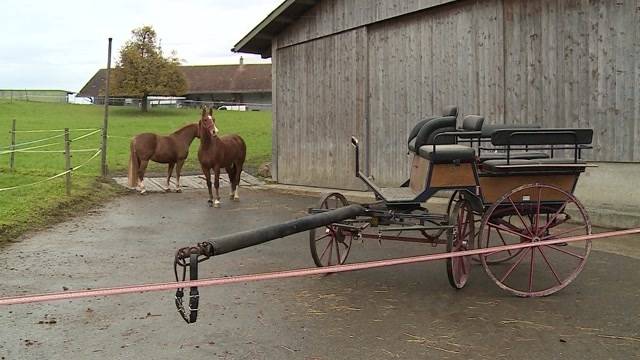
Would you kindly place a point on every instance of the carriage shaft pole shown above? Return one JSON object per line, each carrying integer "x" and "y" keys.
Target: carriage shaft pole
{"x": 250, "y": 238}
{"x": 25, "y": 299}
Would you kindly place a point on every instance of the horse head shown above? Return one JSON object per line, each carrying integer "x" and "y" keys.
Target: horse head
{"x": 208, "y": 121}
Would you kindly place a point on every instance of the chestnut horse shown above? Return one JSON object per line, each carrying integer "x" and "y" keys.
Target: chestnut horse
{"x": 172, "y": 150}
{"x": 215, "y": 152}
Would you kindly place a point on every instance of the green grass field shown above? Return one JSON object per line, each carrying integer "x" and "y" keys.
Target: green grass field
{"x": 31, "y": 207}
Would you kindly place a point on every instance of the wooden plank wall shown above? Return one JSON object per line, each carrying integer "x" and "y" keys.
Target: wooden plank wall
{"x": 333, "y": 16}
{"x": 321, "y": 104}
{"x": 558, "y": 63}
{"x": 420, "y": 63}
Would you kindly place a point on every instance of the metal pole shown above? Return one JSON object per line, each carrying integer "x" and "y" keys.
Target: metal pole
{"x": 105, "y": 124}
{"x": 12, "y": 157}
{"x": 67, "y": 159}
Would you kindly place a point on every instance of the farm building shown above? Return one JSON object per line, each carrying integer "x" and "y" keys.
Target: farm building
{"x": 55, "y": 96}
{"x": 373, "y": 68}
{"x": 238, "y": 83}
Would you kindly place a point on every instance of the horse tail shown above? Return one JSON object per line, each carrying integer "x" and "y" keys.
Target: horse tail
{"x": 134, "y": 165}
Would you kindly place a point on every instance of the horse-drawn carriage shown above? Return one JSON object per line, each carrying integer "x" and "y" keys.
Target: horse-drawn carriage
{"x": 511, "y": 208}
{"x": 507, "y": 186}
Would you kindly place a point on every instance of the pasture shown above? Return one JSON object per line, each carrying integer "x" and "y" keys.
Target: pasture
{"x": 30, "y": 207}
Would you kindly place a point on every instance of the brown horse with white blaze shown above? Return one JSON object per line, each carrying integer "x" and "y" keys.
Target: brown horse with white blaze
{"x": 216, "y": 152}
{"x": 172, "y": 149}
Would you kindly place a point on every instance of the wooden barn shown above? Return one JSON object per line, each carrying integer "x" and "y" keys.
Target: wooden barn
{"x": 373, "y": 68}
{"x": 235, "y": 83}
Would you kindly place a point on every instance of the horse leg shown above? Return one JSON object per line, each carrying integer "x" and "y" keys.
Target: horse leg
{"x": 216, "y": 184}
{"x": 170, "y": 170}
{"x": 232, "y": 180}
{"x": 178, "y": 169}
{"x": 207, "y": 176}
{"x": 141, "y": 170}
{"x": 238, "y": 174}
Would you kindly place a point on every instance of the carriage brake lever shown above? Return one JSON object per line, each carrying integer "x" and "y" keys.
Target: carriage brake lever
{"x": 204, "y": 250}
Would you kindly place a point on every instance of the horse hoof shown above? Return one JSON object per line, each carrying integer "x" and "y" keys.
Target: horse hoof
{"x": 236, "y": 198}
{"x": 210, "y": 202}
{"x": 142, "y": 192}
{"x": 167, "y": 190}
{"x": 178, "y": 190}
{"x": 216, "y": 204}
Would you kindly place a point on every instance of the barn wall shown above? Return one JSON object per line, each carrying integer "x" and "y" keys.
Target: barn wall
{"x": 558, "y": 63}
{"x": 330, "y": 17}
{"x": 420, "y": 63}
{"x": 320, "y": 105}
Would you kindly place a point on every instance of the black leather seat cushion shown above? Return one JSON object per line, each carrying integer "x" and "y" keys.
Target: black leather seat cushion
{"x": 538, "y": 165}
{"x": 526, "y": 155}
{"x": 445, "y": 154}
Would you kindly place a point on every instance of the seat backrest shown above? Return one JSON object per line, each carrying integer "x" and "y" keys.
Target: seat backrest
{"x": 542, "y": 137}
{"x": 446, "y": 111}
{"x": 450, "y": 110}
{"x": 433, "y": 127}
{"x": 472, "y": 123}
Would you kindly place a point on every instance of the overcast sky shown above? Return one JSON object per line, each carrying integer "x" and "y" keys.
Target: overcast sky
{"x": 61, "y": 44}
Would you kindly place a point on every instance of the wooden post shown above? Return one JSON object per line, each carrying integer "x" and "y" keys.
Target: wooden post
{"x": 67, "y": 159}
{"x": 105, "y": 124}
{"x": 12, "y": 157}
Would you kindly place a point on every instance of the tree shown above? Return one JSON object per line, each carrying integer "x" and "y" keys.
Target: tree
{"x": 142, "y": 70}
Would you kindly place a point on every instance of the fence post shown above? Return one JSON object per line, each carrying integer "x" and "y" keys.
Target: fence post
{"x": 67, "y": 159}
{"x": 12, "y": 157}
{"x": 105, "y": 124}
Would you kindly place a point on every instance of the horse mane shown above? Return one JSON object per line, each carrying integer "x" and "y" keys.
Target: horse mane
{"x": 185, "y": 127}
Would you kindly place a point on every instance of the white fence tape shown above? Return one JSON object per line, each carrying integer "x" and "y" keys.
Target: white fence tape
{"x": 54, "y": 176}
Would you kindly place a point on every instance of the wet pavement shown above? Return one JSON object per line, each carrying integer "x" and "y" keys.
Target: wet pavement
{"x": 405, "y": 312}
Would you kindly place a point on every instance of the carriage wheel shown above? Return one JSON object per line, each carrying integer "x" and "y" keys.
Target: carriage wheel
{"x": 459, "y": 268}
{"x": 532, "y": 213}
{"x": 330, "y": 245}
{"x": 453, "y": 200}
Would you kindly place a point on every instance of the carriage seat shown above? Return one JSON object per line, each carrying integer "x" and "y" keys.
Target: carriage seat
{"x": 448, "y": 111}
{"x": 533, "y": 166}
{"x": 447, "y": 154}
{"x": 428, "y": 133}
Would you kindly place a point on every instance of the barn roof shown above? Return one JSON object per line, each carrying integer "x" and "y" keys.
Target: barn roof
{"x": 204, "y": 79}
{"x": 258, "y": 40}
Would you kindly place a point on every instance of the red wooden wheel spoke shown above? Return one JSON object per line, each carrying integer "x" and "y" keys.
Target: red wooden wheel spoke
{"x": 566, "y": 252}
{"x": 531, "y": 267}
{"x": 520, "y": 216}
{"x": 513, "y": 266}
{"x": 337, "y": 250}
{"x": 555, "y": 216}
{"x": 537, "y": 218}
{"x": 320, "y": 238}
{"x": 505, "y": 229}
{"x": 549, "y": 265}
{"x": 564, "y": 232}
{"x": 330, "y": 252}
{"x": 463, "y": 265}
{"x": 326, "y": 248}
{"x": 502, "y": 238}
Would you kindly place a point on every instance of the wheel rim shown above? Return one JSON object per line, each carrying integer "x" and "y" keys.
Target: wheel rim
{"x": 459, "y": 268}
{"x": 329, "y": 244}
{"x": 533, "y": 213}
